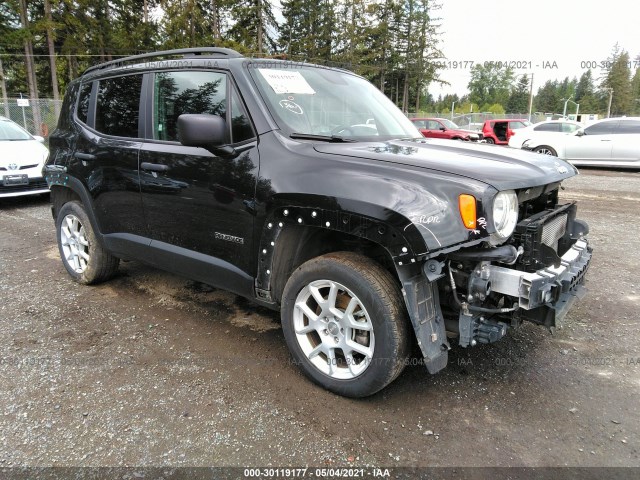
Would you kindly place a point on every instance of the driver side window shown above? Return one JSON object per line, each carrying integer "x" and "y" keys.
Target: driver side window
{"x": 176, "y": 93}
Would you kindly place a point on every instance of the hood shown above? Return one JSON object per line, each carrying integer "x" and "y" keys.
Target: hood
{"x": 501, "y": 167}
{"x": 465, "y": 131}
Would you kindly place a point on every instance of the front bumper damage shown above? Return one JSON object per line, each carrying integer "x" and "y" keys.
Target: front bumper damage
{"x": 542, "y": 297}
{"x": 552, "y": 289}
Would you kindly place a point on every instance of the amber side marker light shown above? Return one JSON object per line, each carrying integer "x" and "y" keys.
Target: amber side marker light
{"x": 467, "y": 206}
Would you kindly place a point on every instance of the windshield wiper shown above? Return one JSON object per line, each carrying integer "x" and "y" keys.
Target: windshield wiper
{"x": 320, "y": 138}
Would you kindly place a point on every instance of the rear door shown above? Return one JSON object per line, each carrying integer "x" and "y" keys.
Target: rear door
{"x": 626, "y": 141}
{"x": 198, "y": 203}
{"x": 106, "y": 152}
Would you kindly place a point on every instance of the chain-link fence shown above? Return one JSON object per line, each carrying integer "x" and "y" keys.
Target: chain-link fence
{"x": 38, "y": 117}
{"x": 474, "y": 121}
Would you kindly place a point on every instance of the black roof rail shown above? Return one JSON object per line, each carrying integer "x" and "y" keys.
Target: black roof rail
{"x": 222, "y": 52}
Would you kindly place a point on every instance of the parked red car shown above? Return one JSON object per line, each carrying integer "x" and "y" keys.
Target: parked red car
{"x": 443, "y": 128}
{"x": 499, "y": 131}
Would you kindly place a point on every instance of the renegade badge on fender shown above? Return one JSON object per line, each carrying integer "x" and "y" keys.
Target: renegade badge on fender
{"x": 270, "y": 180}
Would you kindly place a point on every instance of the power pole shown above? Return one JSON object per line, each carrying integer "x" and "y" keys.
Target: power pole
{"x": 530, "y": 97}
{"x": 610, "y": 99}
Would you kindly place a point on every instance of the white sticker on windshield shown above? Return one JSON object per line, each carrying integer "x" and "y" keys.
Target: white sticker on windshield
{"x": 283, "y": 81}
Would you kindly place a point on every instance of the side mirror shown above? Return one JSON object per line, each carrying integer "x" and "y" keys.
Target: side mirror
{"x": 203, "y": 130}
{"x": 39, "y": 138}
{"x": 579, "y": 133}
{"x": 442, "y": 129}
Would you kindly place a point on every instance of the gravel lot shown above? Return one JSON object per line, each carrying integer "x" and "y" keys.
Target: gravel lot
{"x": 151, "y": 369}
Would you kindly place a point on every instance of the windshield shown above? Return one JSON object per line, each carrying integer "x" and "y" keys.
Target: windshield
{"x": 313, "y": 100}
{"x": 12, "y": 131}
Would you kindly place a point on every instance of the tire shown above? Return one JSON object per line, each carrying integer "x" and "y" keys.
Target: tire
{"x": 489, "y": 140}
{"x": 354, "y": 362}
{"x": 82, "y": 255}
{"x": 545, "y": 150}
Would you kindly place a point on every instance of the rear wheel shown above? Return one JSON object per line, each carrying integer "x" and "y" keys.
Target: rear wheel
{"x": 83, "y": 257}
{"x": 345, "y": 323}
{"x": 545, "y": 150}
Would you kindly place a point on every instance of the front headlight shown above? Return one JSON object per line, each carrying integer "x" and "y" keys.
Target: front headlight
{"x": 505, "y": 215}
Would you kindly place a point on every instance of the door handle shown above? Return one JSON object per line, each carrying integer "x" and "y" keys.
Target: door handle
{"x": 154, "y": 167}
{"x": 85, "y": 157}
{"x": 605, "y": 140}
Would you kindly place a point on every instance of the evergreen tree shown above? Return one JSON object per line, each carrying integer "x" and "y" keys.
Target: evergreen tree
{"x": 585, "y": 94}
{"x": 519, "y": 99}
{"x": 617, "y": 78}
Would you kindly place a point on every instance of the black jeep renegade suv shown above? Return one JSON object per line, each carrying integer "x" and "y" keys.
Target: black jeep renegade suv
{"x": 305, "y": 189}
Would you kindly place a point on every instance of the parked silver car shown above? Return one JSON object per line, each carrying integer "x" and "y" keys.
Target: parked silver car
{"x": 614, "y": 142}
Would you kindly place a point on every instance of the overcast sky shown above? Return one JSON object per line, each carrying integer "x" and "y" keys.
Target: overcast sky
{"x": 567, "y": 32}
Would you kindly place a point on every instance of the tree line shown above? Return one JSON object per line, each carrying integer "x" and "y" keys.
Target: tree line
{"x": 496, "y": 89}
{"x": 46, "y": 43}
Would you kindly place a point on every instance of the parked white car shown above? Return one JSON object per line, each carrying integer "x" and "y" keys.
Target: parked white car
{"x": 22, "y": 157}
{"x": 521, "y": 135}
{"x": 614, "y": 142}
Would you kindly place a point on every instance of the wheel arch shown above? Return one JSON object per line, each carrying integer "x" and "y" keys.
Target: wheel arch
{"x": 294, "y": 233}
{"x": 73, "y": 190}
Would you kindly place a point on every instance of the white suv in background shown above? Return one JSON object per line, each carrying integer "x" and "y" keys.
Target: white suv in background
{"x": 552, "y": 126}
{"x": 614, "y": 142}
{"x": 22, "y": 157}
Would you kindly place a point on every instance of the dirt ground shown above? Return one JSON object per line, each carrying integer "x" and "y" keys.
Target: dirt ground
{"x": 152, "y": 369}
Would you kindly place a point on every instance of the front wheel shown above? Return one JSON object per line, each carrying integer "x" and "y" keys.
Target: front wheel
{"x": 545, "y": 150}
{"x": 345, "y": 323}
{"x": 84, "y": 258}
{"x": 489, "y": 140}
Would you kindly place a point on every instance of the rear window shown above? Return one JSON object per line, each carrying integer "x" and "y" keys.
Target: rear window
{"x": 118, "y": 106}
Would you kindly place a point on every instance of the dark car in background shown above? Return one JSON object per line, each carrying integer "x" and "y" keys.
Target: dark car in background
{"x": 443, "y": 128}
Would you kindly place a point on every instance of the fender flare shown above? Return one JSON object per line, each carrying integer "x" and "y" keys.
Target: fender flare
{"x": 381, "y": 226}
{"x": 64, "y": 180}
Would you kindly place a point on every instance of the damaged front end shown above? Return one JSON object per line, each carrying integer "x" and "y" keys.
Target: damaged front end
{"x": 478, "y": 293}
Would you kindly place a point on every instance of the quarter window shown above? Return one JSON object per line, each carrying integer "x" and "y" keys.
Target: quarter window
{"x": 118, "y": 106}
{"x": 240, "y": 126}
{"x": 83, "y": 102}
{"x": 176, "y": 93}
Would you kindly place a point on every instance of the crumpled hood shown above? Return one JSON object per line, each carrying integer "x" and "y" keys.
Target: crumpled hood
{"x": 503, "y": 168}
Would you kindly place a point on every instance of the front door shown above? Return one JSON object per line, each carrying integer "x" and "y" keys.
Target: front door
{"x": 595, "y": 144}
{"x": 198, "y": 203}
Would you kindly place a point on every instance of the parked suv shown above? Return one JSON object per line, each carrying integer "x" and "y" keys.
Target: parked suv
{"x": 443, "y": 128}
{"x": 500, "y": 131}
{"x": 253, "y": 175}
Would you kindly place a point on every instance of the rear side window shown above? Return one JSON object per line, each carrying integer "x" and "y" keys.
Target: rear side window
{"x": 628, "y": 126}
{"x": 118, "y": 106}
{"x": 83, "y": 102}
{"x": 176, "y": 93}
{"x": 516, "y": 125}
